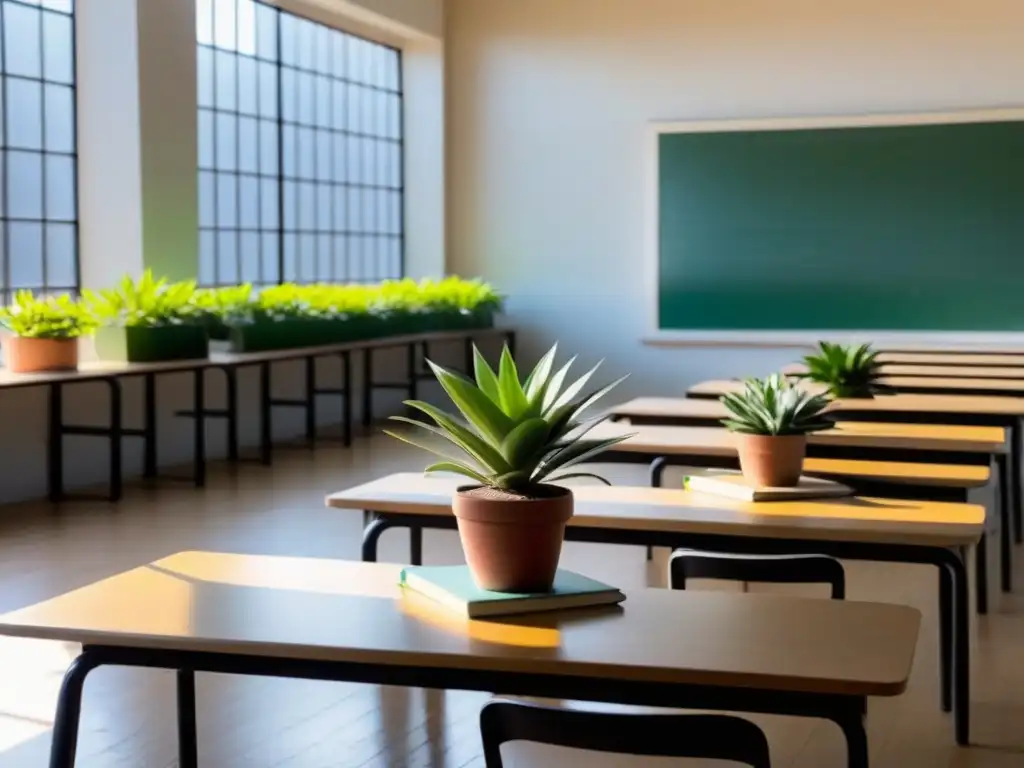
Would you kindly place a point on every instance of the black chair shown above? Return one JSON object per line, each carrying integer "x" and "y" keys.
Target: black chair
{"x": 776, "y": 569}
{"x": 718, "y": 737}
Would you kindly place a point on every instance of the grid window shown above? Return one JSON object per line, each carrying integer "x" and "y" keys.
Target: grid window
{"x": 38, "y": 187}
{"x": 300, "y": 150}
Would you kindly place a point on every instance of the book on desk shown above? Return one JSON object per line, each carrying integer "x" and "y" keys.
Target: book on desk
{"x": 453, "y": 587}
{"x": 734, "y": 486}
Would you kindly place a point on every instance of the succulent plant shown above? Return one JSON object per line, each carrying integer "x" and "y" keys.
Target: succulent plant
{"x": 513, "y": 436}
{"x": 775, "y": 406}
{"x": 845, "y": 370}
{"x": 51, "y": 317}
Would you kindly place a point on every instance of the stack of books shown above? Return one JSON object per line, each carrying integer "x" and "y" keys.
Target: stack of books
{"x": 734, "y": 486}
{"x": 453, "y": 587}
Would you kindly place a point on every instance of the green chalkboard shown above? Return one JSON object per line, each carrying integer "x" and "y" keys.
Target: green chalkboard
{"x": 911, "y": 227}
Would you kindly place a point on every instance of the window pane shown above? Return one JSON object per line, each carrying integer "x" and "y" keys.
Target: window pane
{"x": 268, "y": 148}
{"x": 24, "y": 114}
{"x": 268, "y": 204}
{"x": 227, "y": 135}
{"x": 57, "y": 47}
{"x": 207, "y": 200}
{"x": 224, "y": 68}
{"x": 249, "y": 250}
{"x": 266, "y": 32}
{"x": 267, "y": 90}
{"x": 60, "y": 118}
{"x": 204, "y": 77}
{"x": 24, "y": 186}
{"x": 205, "y": 139}
{"x": 61, "y": 258}
{"x": 60, "y": 188}
{"x": 248, "y": 152}
{"x": 247, "y": 87}
{"x": 227, "y": 201}
{"x": 270, "y": 250}
{"x": 224, "y": 24}
{"x": 26, "y": 247}
{"x": 227, "y": 257}
{"x": 207, "y": 257}
{"x": 249, "y": 202}
{"x": 22, "y": 35}
{"x": 204, "y": 22}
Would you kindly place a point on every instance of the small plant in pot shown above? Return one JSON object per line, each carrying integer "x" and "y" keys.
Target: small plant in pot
{"x": 514, "y": 440}
{"x": 44, "y": 332}
{"x": 845, "y": 370}
{"x": 149, "y": 320}
{"x": 771, "y": 418}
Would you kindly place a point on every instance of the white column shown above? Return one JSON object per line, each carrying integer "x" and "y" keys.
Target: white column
{"x": 136, "y": 138}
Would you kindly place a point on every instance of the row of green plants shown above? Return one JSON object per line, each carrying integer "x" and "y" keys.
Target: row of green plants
{"x": 151, "y": 319}
{"x": 773, "y": 416}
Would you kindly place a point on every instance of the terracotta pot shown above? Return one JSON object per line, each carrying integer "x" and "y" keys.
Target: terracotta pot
{"x": 773, "y": 461}
{"x": 25, "y": 355}
{"x": 512, "y": 544}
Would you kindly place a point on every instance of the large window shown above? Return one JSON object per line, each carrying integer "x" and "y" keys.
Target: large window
{"x": 38, "y": 217}
{"x": 300, "y": 150}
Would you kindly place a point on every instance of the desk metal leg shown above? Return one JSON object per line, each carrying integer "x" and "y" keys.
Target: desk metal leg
{"x": 1016, "y": 456}
{"x": 266, "y": 427}
{"x": 64, "y": 742}
{"x": 311, "y": 403}
{"x": 55, "y": 443}
{"x": 656, "y": 471}
{"x": 199, "y": 434}
{"x": 149, "y": 437}
{"x": 856, "y": 742}
{"x": 187, "y": 746}
{"x": 373, "y": 527}
{"x": 367, "y": 387}
{"x": 946, "y": 638}
{"x": 416, "y": 545}
{"x": 231, "y": 397}
{"x": 346, "y": 398}
{"x": 981, "y": 574}
{"x": 114, "y": 386}
{"x": 1005, "y": 526}
{"x": 961, "y": 650}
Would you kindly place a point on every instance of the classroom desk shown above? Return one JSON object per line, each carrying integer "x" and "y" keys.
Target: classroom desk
{"x": 916, "y": 385}
{"x": 946, "y": 357}
{"x": 937, "y": 371}
{"x": 917, "y": 408}
{"x": 343, "y": 621}
{"x": 712, "y": 448}
{"x": 856, "y": 528}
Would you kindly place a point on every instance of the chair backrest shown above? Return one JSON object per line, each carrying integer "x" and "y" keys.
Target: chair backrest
{"x": 777, "y": 569}
{"x": 721, "y": 737}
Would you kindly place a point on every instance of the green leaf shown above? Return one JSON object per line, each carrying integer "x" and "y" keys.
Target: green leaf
{"x": 576, "y": 453}
{"x": 422, "y": 446}
{"x": 572, "y": 390}
{"x": 555, "y": 386}
{"x": 477, "y": 444}
{"x": 459, "y": 468}
{"x": 524, "y": 443}
{"x": 485, "y": 378}
{"x": 488, "y": 459}
{"x": 478, "y": 409}
{"x": 513, "y": 399}
{"x": 537, "y": 382}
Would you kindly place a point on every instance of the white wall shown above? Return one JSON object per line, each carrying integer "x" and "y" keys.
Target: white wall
{"x": 547, "y": 101}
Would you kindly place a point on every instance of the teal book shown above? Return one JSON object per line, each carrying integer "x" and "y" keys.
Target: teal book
{"x": 453, "y": 587}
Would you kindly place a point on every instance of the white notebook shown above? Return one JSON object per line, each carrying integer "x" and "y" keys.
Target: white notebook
{"x": 734, "y": 486}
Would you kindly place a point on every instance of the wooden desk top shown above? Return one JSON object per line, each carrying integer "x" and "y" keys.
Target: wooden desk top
{"x": 333, "y": 610}
{"x": 717, "y": 441}
{"x": 949, "y": 371}
{"x": 709, "y": 441}
{"x": 958, "y": 359}
{"x": 911, "y": 403}
{"x": 674, "y": 510}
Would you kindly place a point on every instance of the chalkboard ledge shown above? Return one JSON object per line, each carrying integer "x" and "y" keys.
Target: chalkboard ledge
{"x": 809, "y": 339}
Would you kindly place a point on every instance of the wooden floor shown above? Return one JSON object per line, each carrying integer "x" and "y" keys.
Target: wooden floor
{"x": 128, "y": 718}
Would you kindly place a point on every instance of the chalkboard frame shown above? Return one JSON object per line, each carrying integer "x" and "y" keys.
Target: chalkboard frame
{"x": 657, "y": 336}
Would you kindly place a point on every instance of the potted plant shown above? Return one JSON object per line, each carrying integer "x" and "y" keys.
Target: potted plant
{"x": 514, "y": 444}
{"x": 771, "y": 418}
{"x": 223, "y": 307}
{"x": 149, "y": 321}
{"x": 845, "y": 370}
{"x": 44, "y": 332}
